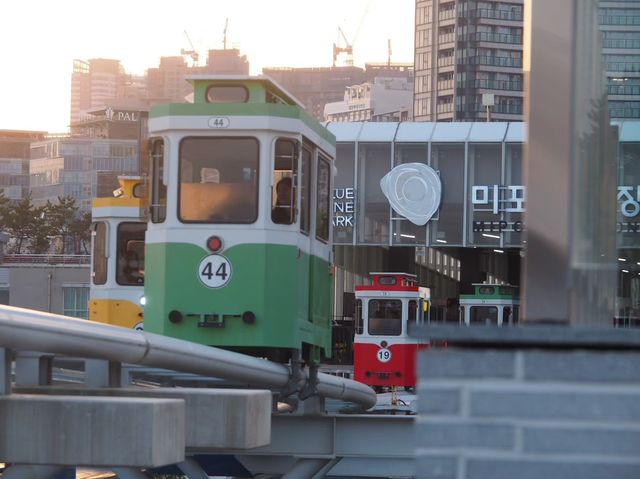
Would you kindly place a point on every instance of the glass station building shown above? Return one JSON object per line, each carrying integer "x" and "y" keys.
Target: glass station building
{"x": 476, "y": 233}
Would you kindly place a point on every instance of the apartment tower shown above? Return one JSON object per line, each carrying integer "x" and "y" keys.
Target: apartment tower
{"x": 468, "y": 60}
{"x": 94, "y": 82}
{"x": 620, "y": 26}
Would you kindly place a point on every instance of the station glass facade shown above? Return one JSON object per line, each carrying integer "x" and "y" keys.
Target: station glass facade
{"x": 480, "y": 168}
{"x": 478, "y": 230}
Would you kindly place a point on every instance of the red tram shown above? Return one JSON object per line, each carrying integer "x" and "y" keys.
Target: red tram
{"x": 384, "y": 354}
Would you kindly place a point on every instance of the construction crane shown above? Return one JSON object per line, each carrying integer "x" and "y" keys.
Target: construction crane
{"x": 192, "y": 53}
{"x": 348, "y": 49}
{"x": 224, "y": 39}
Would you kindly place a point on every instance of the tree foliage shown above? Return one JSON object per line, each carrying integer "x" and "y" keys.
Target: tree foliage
{"x": 54, "y": 228}
{"x": 21, "y": 220}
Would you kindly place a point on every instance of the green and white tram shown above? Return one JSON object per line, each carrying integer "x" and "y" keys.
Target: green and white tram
{"x": 491, "y": 304}
{"x": 238, "y": 243}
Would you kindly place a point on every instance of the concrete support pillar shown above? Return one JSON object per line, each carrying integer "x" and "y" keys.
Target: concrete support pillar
{"x": 569, "y": 165}
{"x": 313, "y": 405}
{"x": 100, "y": 373}
{"x": 33, "y": 369}
{"x": 5, "y": 371}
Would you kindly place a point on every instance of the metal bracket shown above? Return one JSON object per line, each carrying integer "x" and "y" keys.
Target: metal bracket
{"x": 311, "y": 386}
{"x": 296, "y": 376}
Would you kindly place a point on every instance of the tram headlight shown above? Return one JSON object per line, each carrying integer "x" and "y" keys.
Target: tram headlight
{"x": 214, "y": 243}
{"x": 142, "y": 300}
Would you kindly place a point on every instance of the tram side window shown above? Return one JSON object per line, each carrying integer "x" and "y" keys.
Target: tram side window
{"x": 358, "y": 317}
{"x": 510, "y": 315}
{"x": 99, "y": 267}
{"x": 158, "y": 207}
{"x": 283, "y": 196}
{"x": 385, "y": 317}
{"x": 305, "y": 190}
{"x": 412, "y": 313}
{"x": 322, "y": 205}
{"x": 483, "y": 315}
{"x": 130, "y": 254}
{"x": 218, "y": 180}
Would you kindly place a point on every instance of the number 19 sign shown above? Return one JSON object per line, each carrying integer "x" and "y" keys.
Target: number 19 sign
{"x": 214, "y": 271}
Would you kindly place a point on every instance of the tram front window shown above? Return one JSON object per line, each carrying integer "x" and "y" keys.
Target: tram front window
{"x": 385, "y": 317}
{"x": 218, "y": 180}
{"x": 130, "y": 254}
{"x": 483, "y": 315}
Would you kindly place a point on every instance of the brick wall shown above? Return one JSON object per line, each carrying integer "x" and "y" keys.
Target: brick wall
{"x": 528, "y": 414}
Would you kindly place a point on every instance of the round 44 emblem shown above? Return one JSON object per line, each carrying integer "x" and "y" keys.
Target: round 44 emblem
{"x": 384, "y": 355}
{"x": 214, "y": 271}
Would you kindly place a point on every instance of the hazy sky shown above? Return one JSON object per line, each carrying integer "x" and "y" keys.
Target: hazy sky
{"x": 40, "y": 38}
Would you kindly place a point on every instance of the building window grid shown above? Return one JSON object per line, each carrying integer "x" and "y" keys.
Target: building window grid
{"x": 76, "y": 301}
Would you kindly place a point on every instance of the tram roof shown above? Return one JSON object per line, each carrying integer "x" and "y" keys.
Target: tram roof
{"x": 265, "y": 80}
{"x": 422, "y": 132}
{"x": 458, "y": 132}
{"x": 392, "y": 273}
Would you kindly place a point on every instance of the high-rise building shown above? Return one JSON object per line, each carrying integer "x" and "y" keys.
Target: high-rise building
{"x": 226, "y": 61}
{"x": 620, "y": 26}
{"x": 317, "y": 86}
{"x": 166, "y": 82}
{"x": 94, "y": 82}
{"x": 468, "y": 60}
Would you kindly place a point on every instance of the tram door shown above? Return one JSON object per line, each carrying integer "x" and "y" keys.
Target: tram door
{"x": 487, "y": 314}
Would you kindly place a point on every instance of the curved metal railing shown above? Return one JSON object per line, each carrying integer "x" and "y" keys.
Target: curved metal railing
{"x": 28, "y": 330}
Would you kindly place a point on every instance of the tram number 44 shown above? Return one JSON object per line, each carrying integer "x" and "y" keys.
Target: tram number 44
{"x": 384, "y": 355}
{"x": 219, "y": 122}
{"x": 214, "y": 271}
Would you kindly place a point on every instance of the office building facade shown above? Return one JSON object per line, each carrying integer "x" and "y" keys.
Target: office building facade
{"x": 14, "y": 161}
{"x": 71, "y": 167}
{"x": 620, "y": 26}
{"x": 384, "y": 99}
{"x": 468, "y": 60}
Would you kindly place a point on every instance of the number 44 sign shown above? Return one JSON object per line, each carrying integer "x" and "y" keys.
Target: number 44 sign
{"x": 214, "y": 271}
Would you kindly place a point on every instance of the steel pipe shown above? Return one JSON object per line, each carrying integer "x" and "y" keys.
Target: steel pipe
{"x": 24, "y": 471}
{"x": 25, "y": 329}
